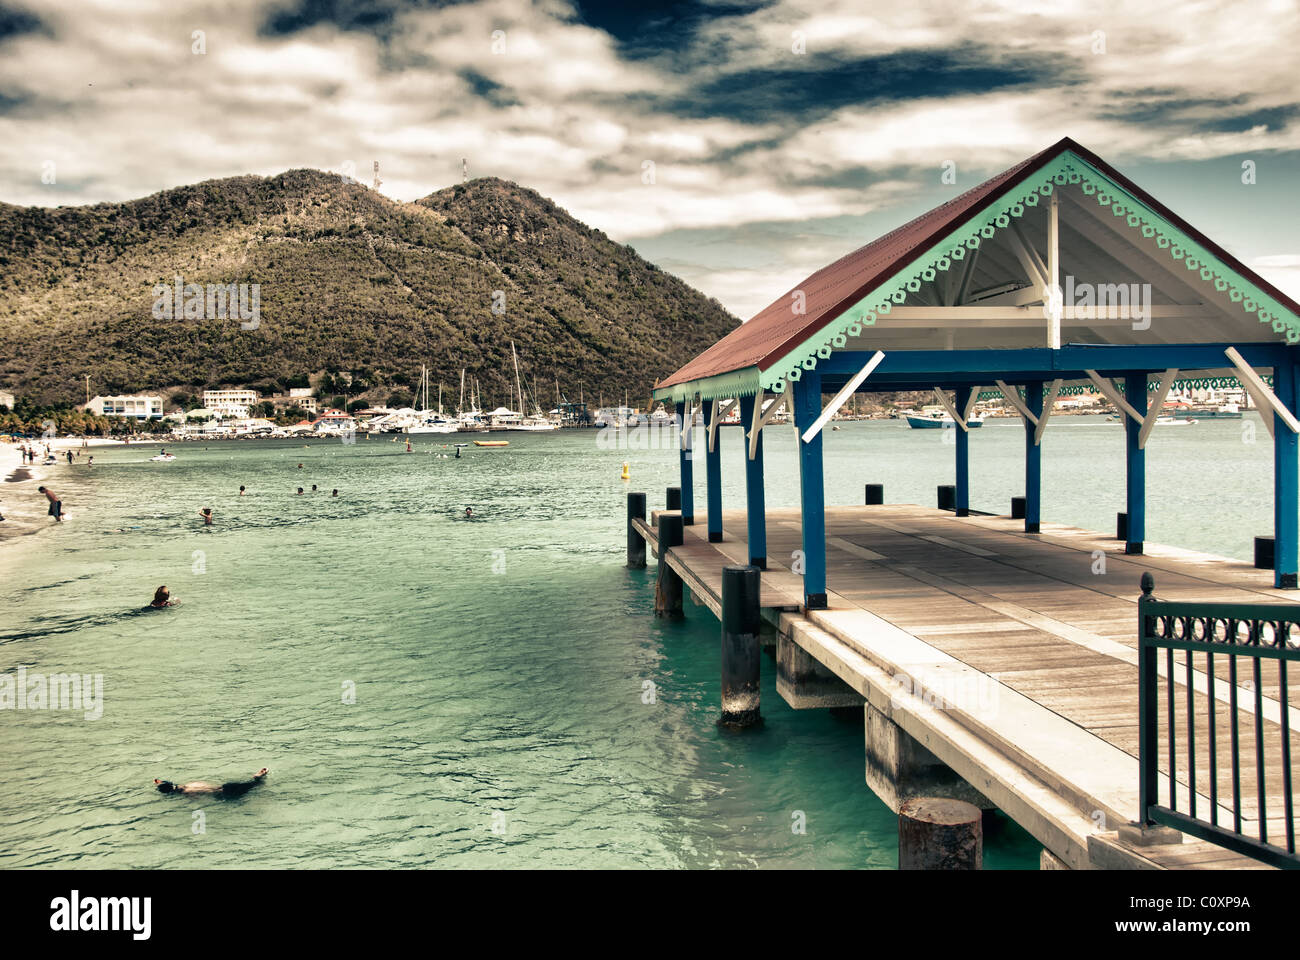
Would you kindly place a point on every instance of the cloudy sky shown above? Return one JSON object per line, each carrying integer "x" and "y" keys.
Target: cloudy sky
{"x": 739, "y": 144}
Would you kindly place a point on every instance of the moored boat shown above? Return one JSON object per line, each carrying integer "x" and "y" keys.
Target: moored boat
{"x": 932, "y": 421}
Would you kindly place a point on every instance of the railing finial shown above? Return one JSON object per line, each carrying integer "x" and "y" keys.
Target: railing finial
{"x": 1148, "y": 584}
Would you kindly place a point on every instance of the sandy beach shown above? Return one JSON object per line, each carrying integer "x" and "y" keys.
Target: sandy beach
{"x": 24, "y": 508}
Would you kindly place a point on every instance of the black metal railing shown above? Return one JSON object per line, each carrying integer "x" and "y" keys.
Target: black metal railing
{"x": 1255, "y": 636}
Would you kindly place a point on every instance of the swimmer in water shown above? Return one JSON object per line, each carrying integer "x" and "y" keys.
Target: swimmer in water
{"x": 313, "y": 488}
{"x": 236, "y": 788}
{"x": 300, "y": 466}
{"x": 241, "y": 489}
{"x": 469, "y": 512}
{"x": 334, "y": 494}
{"x": 162, "y": 598}
{"x": 300, "y": 491}
{"x": 206, "y": 514}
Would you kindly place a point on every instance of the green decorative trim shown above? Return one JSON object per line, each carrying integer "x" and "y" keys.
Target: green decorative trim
{"x": 738, "y": 383}
{"x": 1066, "y": 170}
{"x": 1179, "y": 386}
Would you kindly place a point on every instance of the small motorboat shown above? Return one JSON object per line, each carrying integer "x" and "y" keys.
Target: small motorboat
{"x": 491, "y": 443}
{"x": 1166, "y": 421}
{"x": 162, "y": 458}
{"x": 927, "y": 421}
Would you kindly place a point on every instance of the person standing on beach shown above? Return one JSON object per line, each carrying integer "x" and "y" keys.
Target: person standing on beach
{"x": 56, "y": 505}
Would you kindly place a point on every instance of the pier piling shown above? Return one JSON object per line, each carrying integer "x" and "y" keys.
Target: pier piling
{"x": 875, "y": 494}
{"x": 1017, "y": 508}
{"x": 674, "y": 498}
{"x": 939, "y": 834}
{"x": 741, "y": 647}
{"x": 668, "y": 585}
{"x": 947, "y": 497}
{"x": 635, "y": 542}
{"x": 1263, "y": 553}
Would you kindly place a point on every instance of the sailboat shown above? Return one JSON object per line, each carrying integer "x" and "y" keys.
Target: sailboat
{"x": 427, "y": 420}
{"x": 536, "y": 423}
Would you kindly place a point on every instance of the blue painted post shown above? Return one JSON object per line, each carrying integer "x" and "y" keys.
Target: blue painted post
{"x": 684, "y": 458}
{"x": 1135, "y": 392}
{"x": 963, "y": 456}
{"x": 755, "y": 509}
{"x": 1033, "y": 459}
{"x": 812, "y": 493}
{"x": 1286, "y": 491}
{"x": 713, "y": 475}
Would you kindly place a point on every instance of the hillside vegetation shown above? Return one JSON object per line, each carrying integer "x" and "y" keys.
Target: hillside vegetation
{"x": 349, "y": 281}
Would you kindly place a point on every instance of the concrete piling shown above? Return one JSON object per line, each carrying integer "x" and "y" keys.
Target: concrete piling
{"x": 940, "y": 834}
{"x": 875, "y": 494}
{"x": 741, "y": 647}
{"x": 947, "y": 497}
{"x": 674, "y": 498}
{"x": 635, "y": 542}
{"x": 668, "y": 585}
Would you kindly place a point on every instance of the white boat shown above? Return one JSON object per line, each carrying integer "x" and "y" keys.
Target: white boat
{"x": 1167, "y": 421}
{"x": 923, "y": 421}
{"x": 427, "y": 420}
{"x": 162, "y": 458}
{"x": 531, "y": 424}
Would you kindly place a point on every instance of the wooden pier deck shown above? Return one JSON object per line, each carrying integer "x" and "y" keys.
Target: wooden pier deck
{"x": 1029, "y": 641}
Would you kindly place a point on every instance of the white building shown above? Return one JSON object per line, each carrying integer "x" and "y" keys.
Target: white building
{"x": 6, "y": 399}
{"x": 139, "y": 407}
{"x": 230, "y": 403}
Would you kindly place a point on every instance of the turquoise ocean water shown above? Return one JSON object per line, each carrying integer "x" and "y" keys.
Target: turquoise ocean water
{"x": 499, "y": 665}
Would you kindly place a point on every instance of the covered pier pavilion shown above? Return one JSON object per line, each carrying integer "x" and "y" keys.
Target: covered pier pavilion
{"x": 1058, "y": 274}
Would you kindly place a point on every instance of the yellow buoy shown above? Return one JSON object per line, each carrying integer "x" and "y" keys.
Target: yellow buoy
{"x": 627, "y": 475}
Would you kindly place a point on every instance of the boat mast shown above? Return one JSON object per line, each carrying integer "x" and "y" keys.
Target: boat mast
{"x": 460, "y": 405}
{"x": 517, "y": 383}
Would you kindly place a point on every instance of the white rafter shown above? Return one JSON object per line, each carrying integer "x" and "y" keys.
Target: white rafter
{"x": 948, "y": 405}
{"x": 1049, "y": 404}
{"x": 1264, "y": 397}
{"x": 1156, "y": 404}
{"x": 718, "y": 414}
{"x": 845, "y": 392}
{"x": 1111, "y": 393}
{"x": 1013, "y": 397}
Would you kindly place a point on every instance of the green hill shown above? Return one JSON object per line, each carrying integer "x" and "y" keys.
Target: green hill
{"x": 349, "y": 280}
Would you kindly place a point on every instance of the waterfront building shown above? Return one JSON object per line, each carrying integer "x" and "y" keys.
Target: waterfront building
{"x": 134, "y": 406}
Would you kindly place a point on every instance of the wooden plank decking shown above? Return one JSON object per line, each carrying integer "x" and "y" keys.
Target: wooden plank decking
{"x": 1044, "y": 626}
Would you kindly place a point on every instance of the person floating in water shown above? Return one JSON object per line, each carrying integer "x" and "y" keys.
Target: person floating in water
{"x": 335, "y": 493}
{"x": 469, "y": 513}
{"x": 56, "y": 505}
{"x": 300, "y": 491}
{"x": 241, "y": 489}
{"x": 313, "y": 488}
{"x": 206, "y": 514}
{"x": 162, "y": 597}
{"x": 235, "y": 788}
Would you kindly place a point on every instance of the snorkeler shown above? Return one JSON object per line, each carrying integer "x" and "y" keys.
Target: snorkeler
{"x": 235, "y": 788}
{"x": 206, "y": 514}
{"x": 162, "y": 598}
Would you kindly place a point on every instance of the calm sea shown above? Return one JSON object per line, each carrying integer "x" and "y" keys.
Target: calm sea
{"x": 499, "y": 666}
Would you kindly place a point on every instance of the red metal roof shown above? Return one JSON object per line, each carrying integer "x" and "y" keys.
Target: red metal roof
{"x": 776, "y": 330}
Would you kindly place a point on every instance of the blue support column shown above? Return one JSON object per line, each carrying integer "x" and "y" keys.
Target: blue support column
{"x": 684, "y": 458}
{"x": 755, "y": 510}
{"x": 812, "y": 493}
{"x": 713, "y": 475}
{"x": 1286, "y": 491}
{"x": 963, "y": 456}
{"x": 1135, "y": 392}
{"x": 1033, "y": 459}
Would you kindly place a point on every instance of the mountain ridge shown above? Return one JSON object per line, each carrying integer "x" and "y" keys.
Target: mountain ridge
{"x": 349, "y": 280}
